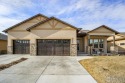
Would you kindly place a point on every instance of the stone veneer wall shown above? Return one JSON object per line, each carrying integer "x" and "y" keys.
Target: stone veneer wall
{"x": 10, "y": 49}
{"x": 33, "y": 49}
{"x": 73, "y": 49}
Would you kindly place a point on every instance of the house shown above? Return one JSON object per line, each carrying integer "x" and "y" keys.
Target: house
{"x": 119, "y": 42}
{"x": 42, "y": 35}
{"x": 3, "y": 43}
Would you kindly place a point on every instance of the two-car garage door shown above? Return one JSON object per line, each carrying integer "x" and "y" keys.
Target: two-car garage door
{"x": 53, "y": 47}
{"x": 44, "y": 47}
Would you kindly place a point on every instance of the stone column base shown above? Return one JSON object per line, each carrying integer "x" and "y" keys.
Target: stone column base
{"x": 33, "y": 49}
{"x": 114, "y": 49}
{"x": 9, "y": 49}
{"x": 73, "y": 50}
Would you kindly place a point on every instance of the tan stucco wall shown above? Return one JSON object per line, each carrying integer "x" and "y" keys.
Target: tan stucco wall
{"x": 29, "y": 23}
{"x": 121, "y": 48}
{"x": 116, "y": 37}
{"x": 119, "y": 38}
{"x": 3, "y": 45}
{"x": 102, "y": 31}
{"x": 61, "y": 31}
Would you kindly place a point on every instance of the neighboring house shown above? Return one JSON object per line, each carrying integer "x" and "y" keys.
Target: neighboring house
{"x": 41, "y": 35}
{"x": 3, "y": 43}
{"x": 119, "y": 42}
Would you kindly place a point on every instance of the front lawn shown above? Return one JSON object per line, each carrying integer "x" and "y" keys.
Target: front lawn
{"x": 106, "y": 69}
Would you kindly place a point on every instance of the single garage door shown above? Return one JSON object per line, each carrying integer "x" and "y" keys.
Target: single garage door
{"x": 53, "y": 47}
{"x": 21, "y": 46}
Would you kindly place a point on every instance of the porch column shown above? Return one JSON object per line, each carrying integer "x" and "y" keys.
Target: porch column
{"x": 89, "y": 48}
{"x": 88, "y": 40}
{"x": 105, "y": 45}
{"x": 114, "y": 48}
{"x": 114, "y": 41}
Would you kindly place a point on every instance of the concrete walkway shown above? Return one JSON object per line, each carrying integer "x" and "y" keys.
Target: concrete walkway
{"x": 47, "y": 69}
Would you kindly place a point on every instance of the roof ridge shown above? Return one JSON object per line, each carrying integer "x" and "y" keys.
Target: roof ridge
{"x": 3, "y": 36}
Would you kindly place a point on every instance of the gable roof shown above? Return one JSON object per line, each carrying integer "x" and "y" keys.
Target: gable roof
{"x": 3, "y": 37}
{"x": 116, "y": 32}
{"x": 25, "y": 21}
{"x": 42, "y": 22}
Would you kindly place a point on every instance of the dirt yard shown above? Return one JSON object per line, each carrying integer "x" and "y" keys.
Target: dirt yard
{"x": 106, "y": 69}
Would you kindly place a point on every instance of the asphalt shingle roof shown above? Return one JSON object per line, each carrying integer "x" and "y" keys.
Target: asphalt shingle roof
{"x": 3, "y": 37}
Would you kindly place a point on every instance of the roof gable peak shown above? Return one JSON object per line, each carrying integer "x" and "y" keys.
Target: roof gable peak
{"x": 25, "y": 21}
{"x": 42, "y": 22}
{"x": 116, "y": 32}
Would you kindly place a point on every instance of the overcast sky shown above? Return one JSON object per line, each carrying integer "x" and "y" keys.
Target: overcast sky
{"x": 86, "y": 14}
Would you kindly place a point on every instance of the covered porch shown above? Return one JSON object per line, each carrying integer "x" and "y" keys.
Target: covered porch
{"x": 95, "y": 41}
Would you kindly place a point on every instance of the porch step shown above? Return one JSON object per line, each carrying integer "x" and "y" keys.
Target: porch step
{"x": 82, "y": 54}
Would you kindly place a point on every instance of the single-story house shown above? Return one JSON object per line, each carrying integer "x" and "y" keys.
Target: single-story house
{"x": 3, "y": 44}
{"x": 42, "y": 35}
{"x": 119, "y": 42}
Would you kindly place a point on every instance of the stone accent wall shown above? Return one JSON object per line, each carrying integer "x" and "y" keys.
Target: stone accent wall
{"x": 10, "y": 49}
{"x": 73, "y": 50}
{"x": 89, "y": 50}
{"x": 33, "y": 49}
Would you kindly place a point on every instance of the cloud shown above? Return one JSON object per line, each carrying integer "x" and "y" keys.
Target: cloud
{"x": 90, "y": 14}
{"x": 11, "y": 12}
{"x": 6, "y": 22}
{"x": 17, "y": 3}
{"x": 86, "y": 14}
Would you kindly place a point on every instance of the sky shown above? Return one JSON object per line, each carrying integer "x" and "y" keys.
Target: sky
{"x": 86, "y": 14}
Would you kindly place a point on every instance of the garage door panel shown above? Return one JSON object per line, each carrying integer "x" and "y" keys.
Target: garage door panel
{"x": 58, "y": 49}
{"x": 53, "y": 47}
{"x": 21, "y": 46}
{"x": 66, "y": 49}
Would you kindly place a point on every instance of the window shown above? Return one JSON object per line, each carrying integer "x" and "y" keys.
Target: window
{"x": 91, "y": 41}
{"x": 122, "y": 44}
{"x": 101, "y": 41}
{"x": 95, "y": 43}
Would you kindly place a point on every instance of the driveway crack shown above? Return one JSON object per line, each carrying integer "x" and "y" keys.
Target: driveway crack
{"x": 45, "y": 68}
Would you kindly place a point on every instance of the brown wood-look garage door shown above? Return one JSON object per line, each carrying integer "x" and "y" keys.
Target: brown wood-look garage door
{"x": 21, "y": 46}
{"x": 53, "y": 47}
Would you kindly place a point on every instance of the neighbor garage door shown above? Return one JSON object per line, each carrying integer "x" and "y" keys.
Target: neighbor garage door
{"x": 21, "y": 46}
{"x": 53, "y": 47}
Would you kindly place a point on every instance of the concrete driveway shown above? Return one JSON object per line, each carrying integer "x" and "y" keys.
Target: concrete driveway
{"x": 45, "y": 69}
